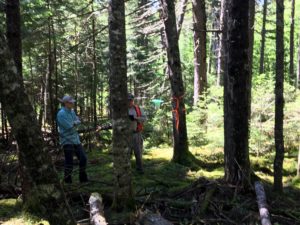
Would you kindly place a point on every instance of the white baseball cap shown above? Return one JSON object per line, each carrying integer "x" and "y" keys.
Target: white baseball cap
{"x": 67, "y": 98}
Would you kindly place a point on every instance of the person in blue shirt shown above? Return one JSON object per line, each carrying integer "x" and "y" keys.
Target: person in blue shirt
{"x": 70, "y": 141}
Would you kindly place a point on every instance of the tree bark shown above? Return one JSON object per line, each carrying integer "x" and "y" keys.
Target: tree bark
{"x": 236, "y": 95}
{"x": 200, "y": 67}
{"x": 49, "y": 77}
{"x": 181, "y": 150}
{"x": 118, "y": 103}
{"x": 13, "y": 32}
{"x": 221, "y": 54}
{"x": 46, "y": 194}
{"x": 263, "y": 38}
{"x": 251, "y": 35}
{"x": 298, "y": 164}
{"x": 279, "y": 99}
{"x": 292, "y": 45}
{"x": 55, "y": 102}
{"x": 251, "y": 47}
{"x": 3, "y": 125}
{"x": 298, "y": 67}
{"x": 95, "y": 72}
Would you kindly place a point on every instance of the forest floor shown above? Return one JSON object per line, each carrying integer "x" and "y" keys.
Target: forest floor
{"x": 177, "y": 193}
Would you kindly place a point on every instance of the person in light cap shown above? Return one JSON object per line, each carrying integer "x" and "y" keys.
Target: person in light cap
{"x": 137, "y": 118}
{"x": 69, "y": 139}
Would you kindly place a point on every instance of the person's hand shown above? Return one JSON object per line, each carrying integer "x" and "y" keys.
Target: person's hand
{"x": 77, "y": 122}
{"x": 98, "y": 128}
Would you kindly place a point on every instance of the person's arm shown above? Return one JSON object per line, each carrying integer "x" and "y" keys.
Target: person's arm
{"x": 77, "y": 120}
{"x": 142, "y": 118}
{"x": 65, "y": 122}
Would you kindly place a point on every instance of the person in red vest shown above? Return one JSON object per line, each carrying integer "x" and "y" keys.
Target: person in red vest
{"x": 137, "y": 118}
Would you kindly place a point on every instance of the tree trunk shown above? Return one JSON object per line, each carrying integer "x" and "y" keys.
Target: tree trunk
{"x": 200, "y": 78}
{"x": 95, "y": 73}
{"x": 45, "y": 197}
{"x": 181, "y": 150}
{"x": 210, "y": 54}
{"x": 298, "y": 164}
{"x": 236, "y": 95}
{"x": 13, "y": 32}
{"x": 76, "y": 74}
{"x": 118, "y": 103}
{"x": 251, "y": 47}
{"x": 41, "y": 112}
{"x": 263, "y": 39}
{"x": 292, "y": 45}
{"x": 181, "y": 16}
{"x": 51, "y": 65}
{"x": 2, "y": 124}
{"x": 298, "y": 67}
{"x": 55, "y": 103}
{"x": 279, "y": 99}
{"x": 221, "y": 54}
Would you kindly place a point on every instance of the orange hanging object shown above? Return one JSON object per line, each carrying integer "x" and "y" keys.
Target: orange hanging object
{"x": 176, "y": 110}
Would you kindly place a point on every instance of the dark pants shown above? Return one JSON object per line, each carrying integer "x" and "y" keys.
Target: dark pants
{"x": 137, "y": 148}
{"x": 69, "y": 151}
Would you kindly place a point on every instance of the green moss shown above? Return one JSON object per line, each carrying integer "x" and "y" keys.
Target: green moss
{"x": 11, "y": 213}
{"x": 161, "y": 175}
{"x": 296, "y": 182}
{"x": 8, "y": 208}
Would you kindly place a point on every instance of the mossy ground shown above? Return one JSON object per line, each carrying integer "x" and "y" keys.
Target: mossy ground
{"x": 163, "y": 176}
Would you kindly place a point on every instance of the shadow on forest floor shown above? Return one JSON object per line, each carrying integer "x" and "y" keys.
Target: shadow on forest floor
{"x": 179, "y": 194}
{"x": 204, "y": 198}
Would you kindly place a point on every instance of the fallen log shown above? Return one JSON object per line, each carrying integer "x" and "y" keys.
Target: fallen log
{"x": 262, "y": 204}
{"x": 96, "y": 210}
{"x": 149, "y": 218}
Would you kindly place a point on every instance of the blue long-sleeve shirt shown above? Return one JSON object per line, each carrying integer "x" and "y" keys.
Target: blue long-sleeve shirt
{"x": 66, "y": 120}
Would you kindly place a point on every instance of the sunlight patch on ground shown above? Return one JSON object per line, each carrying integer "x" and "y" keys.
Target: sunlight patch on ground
{"x": 10, "y": 214}
{"x": 22, "y": 221}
